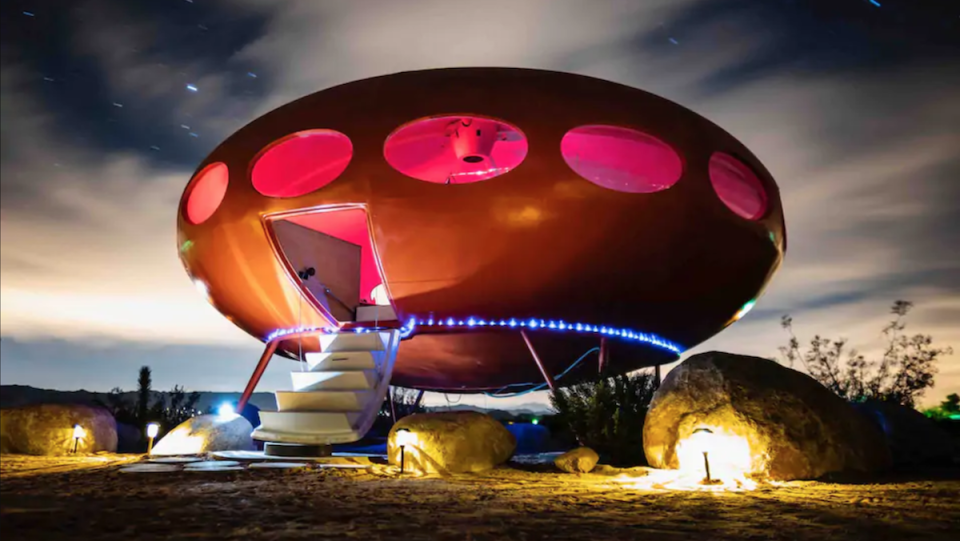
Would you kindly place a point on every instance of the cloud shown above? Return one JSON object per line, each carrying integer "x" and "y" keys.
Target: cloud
{"x": 866, "y": 158}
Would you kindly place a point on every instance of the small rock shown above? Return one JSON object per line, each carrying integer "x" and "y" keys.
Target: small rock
{"x": 579, "y": 460}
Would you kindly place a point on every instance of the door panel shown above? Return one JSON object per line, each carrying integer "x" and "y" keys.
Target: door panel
{"x": 336, "y": 262}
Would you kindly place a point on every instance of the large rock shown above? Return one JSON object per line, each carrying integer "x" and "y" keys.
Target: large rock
{"x": 206, "y": 434}
{"x": 450, "y": 442}
{"x": 48, "y": 429}
{"x": 766, "y": 420}
{"x": 579, "y": 460}
{"x": 912, "y": 438}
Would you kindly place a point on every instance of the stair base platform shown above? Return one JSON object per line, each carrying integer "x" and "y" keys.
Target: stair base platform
{"x": 294, "y": 450}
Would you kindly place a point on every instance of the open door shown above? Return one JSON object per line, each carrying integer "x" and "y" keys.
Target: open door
{"x": 329, "y": 267}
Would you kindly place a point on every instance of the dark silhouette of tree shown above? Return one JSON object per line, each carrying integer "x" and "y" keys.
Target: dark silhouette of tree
{"x": 949, "y": 408}
{"x": 902, "y": 373}
{"x": 176, "y": 408}
{"x": 404, "y": 401}
{"x": 143, "y": 395}
{"x": 167, "y": 411}
{"x": 607, "y": 415}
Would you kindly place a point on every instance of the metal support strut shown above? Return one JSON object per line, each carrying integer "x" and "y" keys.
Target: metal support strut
{"x": 257, "y": 374}
{"x": 536, "y": 359}
{"x": 603, "y": 355}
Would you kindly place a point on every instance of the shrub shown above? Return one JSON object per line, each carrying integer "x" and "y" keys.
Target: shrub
{"x": 607, "y": 415}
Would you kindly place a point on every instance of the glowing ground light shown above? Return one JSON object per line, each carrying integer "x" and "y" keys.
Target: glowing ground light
{"x": 78, "y": 434}
{"x": 533, "y": 323}
{"x": 403, "y": 438}
{"x": 152, "y": 430}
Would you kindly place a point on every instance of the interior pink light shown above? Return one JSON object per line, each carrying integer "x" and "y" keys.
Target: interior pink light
{"x": 349, "y": 225}
{"x": 737, "y": 186}
{"x": 621, "y": 159}
{"x": 209, "y": 188}
{"x": 302, "y": 163}
{"x": 455, "y": 149}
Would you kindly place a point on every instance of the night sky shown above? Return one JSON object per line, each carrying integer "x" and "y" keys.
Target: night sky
{"x": 853, "y": 105}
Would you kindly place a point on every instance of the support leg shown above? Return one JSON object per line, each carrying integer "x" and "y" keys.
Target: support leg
{"x": 546, "y": 375}
{"x": 416, "y": 403}
{"x": 536, "y": 359}
{"x": 393, "y": 408}
{"x": 603, "y": 355}
{"x": 257, "y": 374}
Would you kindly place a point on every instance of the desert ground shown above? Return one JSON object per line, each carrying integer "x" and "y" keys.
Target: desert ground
{"x": 92, "y": 498}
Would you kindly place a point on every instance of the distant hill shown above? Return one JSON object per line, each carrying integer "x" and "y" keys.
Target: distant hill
{"x": 23, "y": 395}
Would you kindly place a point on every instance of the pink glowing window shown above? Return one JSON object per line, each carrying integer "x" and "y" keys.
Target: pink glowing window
{"x": 737, "y": 186}
{"x": 207, "y": 192}
{"x": 621, "y": 159}
{"x": 302, "y": 163}
{"x": 455, "y": 149}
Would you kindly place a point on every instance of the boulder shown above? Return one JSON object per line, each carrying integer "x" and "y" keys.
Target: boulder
{"x": 450, "y": 442}
{"x": 206, "y": 434}
{"x": 912, "y": 438}
{"x": 579, "y": 460}
{"x": 48, "y": 429}
{"x": 758, "y": 418}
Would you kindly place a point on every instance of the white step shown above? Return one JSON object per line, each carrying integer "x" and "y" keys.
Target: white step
{"x": 311, "y": 422}
{"x": 349, "y": 341}
{"x": 344, "y": 360}
{"x": 324, "y": 400}
{"x": 348, "y": 380}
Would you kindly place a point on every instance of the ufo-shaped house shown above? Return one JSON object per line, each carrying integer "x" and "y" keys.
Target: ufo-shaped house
{"x": 474, "y": 230}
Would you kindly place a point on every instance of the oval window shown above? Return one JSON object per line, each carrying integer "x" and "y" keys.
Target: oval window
{"x": 737, "y": 186}
{"x": 455, "y": 149}
{"x": 207, "y": 192}
{"x": 621, "y": 159}
{"x": 302, "y": 163}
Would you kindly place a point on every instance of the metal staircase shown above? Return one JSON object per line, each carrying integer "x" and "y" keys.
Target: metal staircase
{"x": 337, "y": 399}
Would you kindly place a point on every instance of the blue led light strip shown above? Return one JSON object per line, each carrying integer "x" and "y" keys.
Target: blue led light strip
{"x": 535, "y": 324}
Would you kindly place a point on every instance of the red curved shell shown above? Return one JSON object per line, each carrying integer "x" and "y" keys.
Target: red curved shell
{"x": 538, "y": 241}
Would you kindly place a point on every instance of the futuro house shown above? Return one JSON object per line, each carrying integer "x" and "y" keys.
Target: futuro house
{"x": 474, "y": 230}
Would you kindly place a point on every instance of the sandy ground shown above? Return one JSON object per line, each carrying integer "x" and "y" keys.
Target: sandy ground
{"x": 90, "y": 498}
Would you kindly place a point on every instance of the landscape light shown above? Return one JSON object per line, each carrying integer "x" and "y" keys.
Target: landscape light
{"x": 535, "y": 421}
{"x": 701, "y": 438}
{"x": 152, "y": 430}
{"x": 403, "y": 438}
{"x": 78, "y": 432}
{"x": 226, "y": 410}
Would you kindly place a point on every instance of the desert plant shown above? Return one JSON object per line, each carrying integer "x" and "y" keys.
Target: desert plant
{"x": 607, "y": 415}
{"x": 948, "y": 409}
{"x": 144, "y": 382}
{"x": 144, "y": 410}
{"x": 181, "y": 407}
{"x": 404, "y": 402}
{"x": 902, "y": 373}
